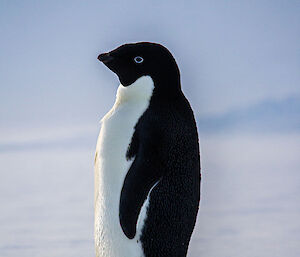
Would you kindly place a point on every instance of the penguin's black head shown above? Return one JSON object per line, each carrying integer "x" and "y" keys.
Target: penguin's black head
{"x": 132, "y": 61}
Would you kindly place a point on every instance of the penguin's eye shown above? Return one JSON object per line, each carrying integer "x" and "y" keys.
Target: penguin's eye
{"x": 138, "y": 59}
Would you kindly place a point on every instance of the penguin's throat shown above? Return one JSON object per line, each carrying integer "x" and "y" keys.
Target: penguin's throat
{"x": 140, "y": 90}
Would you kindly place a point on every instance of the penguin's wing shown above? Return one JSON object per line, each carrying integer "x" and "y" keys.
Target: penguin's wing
{"x": 145, "y": 171}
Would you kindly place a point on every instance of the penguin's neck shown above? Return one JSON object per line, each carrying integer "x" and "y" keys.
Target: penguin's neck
{"x": 137, "y": 94}
{"x": 167, "y": 83}
{"x": 140, "y": 90}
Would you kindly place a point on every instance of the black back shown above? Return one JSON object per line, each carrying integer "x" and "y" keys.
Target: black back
{"x": 165, "y": 150}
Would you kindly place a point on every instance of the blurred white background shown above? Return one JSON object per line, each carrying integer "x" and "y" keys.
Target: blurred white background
{"x": 239, "y": 63}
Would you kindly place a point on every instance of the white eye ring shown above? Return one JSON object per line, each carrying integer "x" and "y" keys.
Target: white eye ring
{"x": 138, "y": 59}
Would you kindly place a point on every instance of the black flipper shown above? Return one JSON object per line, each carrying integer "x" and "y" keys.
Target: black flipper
{"x": 144, "y": 172}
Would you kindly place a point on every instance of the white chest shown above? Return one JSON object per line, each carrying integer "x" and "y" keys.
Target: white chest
{"x": 111, "y": 168}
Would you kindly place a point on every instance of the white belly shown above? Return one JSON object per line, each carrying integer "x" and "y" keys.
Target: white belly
{"x": 111, "y": 168}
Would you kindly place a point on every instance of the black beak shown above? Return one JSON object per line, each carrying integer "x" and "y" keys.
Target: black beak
{"x": 105, "y": 58}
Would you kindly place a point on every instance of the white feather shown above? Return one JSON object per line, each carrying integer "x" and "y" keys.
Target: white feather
{"x": 111, "y": 167}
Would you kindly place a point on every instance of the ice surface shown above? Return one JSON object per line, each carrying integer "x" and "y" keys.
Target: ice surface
{"x": 249, "y": 206}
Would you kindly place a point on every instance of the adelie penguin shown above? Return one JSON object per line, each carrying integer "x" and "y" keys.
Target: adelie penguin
{"x": 147, "y": 163}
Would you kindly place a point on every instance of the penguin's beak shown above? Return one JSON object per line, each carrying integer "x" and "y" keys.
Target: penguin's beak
{"x": 110, "y": 61}
{"x": 105, "y": 58}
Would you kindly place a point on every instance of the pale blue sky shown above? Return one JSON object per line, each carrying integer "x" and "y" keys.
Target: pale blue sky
{"x": 232, "y": 54}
